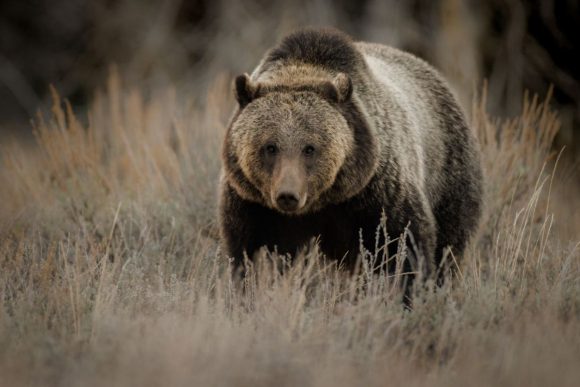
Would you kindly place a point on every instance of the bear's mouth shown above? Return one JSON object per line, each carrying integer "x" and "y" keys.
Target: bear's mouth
{"x": 289, "y": 203}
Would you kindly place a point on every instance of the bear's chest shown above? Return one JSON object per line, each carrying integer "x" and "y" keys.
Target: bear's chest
{"x": 336, "y": 230}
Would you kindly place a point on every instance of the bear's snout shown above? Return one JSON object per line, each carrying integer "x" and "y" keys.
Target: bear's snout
{"x": 289, "y": 190}
{"x": 287, "y": 201}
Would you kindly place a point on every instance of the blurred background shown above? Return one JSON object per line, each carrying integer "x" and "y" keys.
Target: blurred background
{"x": 516, "y": 45}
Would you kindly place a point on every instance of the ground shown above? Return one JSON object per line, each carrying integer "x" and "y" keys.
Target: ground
{"x": 110, "y": 272}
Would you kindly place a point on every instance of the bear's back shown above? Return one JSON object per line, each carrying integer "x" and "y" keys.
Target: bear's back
{"x": 412, "y": 94}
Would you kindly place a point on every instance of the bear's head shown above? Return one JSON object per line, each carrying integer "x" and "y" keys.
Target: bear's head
{"x": 295, "y": 148}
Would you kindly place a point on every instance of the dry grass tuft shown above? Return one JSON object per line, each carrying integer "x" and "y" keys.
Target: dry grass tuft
{"x": 110, "y": 272}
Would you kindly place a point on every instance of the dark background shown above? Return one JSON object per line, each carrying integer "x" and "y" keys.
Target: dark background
{"x": 516, "y": 45}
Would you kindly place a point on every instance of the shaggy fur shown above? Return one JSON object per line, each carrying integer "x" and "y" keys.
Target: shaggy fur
{"x": 383, "y": 133}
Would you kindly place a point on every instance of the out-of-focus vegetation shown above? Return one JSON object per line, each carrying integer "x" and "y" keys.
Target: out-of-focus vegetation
{"x": 515, "y": 44}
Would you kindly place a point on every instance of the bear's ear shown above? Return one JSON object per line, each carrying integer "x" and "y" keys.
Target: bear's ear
{"x": 343, "y": 86}
{"x": 245, "y": 90}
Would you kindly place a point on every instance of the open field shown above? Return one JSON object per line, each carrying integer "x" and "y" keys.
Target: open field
{"x": 110, "y": 272}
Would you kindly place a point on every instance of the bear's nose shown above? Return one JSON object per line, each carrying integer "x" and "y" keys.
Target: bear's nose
{"x": 287, "y": 201}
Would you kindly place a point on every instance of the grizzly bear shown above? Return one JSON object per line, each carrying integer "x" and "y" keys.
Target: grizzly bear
{"x": 328, "y": 135}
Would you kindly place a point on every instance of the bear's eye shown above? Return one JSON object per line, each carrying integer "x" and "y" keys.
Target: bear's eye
{"x": 308, "y": 150}
{"x": 271, "y": 149}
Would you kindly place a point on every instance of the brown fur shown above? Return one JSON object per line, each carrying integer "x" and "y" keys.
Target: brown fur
{"x": 328, "y": 134}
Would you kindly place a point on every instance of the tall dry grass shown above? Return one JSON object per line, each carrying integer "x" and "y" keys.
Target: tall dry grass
{"x": 110, "y": 273}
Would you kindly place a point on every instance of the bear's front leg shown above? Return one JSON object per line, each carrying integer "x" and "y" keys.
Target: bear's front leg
{"x": 237, "y": 227}
{"x": 414, "y": 216}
